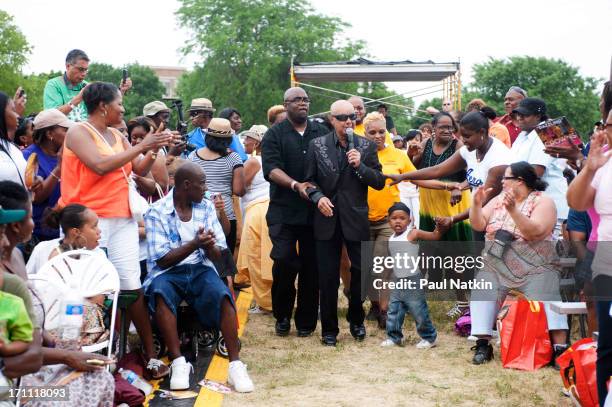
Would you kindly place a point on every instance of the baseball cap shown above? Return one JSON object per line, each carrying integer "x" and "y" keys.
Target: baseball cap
{"x": 152, "y": 108}
{"x": 531, "y": 106}
{"x": 11, "y": 215}
{"x": 51, "y": 117}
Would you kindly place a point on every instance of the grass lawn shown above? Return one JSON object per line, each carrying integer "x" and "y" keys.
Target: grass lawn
{"x": 296, "y": 371}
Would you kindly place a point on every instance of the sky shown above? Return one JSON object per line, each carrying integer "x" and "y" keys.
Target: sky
{"x": 469, "y": 31}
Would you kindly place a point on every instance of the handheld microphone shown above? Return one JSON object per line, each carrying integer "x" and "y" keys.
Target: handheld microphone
{"x": 350, "y": 138}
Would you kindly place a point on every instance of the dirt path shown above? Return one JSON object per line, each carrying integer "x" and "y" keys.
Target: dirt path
{"x": 301, "y": 372}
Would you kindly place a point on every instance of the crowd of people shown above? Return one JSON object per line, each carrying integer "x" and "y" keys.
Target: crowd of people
{"x": 284, "y": 207}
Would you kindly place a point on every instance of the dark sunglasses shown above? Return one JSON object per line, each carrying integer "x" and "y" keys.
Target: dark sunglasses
{"x": 345, "y": 117}
{"x": 195, "y": 113}
{"x": 374, "y": 132}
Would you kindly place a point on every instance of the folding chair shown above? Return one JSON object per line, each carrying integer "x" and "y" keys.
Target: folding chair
{"x": 91, "y": 274}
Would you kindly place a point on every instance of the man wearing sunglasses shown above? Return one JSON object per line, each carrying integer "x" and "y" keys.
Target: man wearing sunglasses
{"x": 341, "y": 166}
{"x": 289, "y": 217}
{"x": 65, "y": 92}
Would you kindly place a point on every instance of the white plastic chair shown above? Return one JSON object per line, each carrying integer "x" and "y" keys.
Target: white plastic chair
{"x": 91, "y": 274}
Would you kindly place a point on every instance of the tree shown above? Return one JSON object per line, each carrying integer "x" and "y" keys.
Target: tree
{"x": 14, "y": 51}
{"x": 146, "y": 85}
{"x": 247, "y": 46}
{"x": 566, "y": 92}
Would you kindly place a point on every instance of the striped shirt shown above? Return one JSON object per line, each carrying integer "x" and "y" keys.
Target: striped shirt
{"x": 219, "y": 176}
{"x": 161, "y": 225}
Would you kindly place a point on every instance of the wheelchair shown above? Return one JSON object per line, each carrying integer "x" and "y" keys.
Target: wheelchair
{"x": 192, "y": 335}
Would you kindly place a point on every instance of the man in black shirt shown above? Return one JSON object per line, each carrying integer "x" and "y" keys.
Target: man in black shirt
{"x": 341, "y": 166}
{"x": 382, "y": 109}
{"x": 289, "y": 217}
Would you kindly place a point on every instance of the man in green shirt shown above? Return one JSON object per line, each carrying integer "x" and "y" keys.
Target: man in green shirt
{"x": 65, "y": 92}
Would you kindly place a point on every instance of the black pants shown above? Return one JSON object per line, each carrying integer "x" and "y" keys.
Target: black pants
{"x": 288, "y": 265}
{"x": 328, "y": 260}
{"x": 603, "y": 288}
{"x": 231, "y": 238}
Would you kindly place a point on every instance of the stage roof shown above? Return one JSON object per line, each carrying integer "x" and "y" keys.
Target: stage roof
{"x": 363, "y": 70}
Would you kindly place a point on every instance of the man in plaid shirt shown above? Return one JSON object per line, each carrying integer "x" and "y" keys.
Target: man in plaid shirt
{"x": 183, "y": 236}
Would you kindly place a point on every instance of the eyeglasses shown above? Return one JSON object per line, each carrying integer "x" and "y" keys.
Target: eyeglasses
{"x": 445, "y": 128}
{"x": 513, "y": 177}
{"x": 196, "y": 113}
{"x": 375, "y": 132}
{"x": 603, "y": 126}
{"x": 299, "y": 99}
{"x": 345, "y": 117}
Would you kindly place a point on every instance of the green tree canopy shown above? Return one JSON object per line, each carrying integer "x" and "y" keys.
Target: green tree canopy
{"x": 14, "y": 51}
{"x": 246, "y": 48}
{"x": 146, "y": 85}
{"x": 566, "y": 92}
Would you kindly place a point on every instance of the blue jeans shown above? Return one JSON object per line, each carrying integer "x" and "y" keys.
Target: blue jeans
{"x": 413, "y": 301}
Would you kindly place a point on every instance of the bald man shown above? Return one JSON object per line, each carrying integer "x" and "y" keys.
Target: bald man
{"x": 289, "y": 217}
{"x": 183, "y": 238}
{"x": 341, "y": 167}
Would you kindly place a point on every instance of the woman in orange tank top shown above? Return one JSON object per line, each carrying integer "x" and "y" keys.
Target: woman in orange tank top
{"x": 96, "y": 162}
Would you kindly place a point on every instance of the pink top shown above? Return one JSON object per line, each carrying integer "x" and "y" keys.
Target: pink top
{"x": 501, "y": 219}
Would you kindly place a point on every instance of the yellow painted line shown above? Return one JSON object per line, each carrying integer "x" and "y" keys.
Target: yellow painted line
{"x": 217, "y": 370}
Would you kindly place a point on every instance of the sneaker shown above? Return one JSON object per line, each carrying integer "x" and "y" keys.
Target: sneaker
{"x": 179, "y": 379}
{"x": 457, "y": 310}
{"x": 472, "y": 338}
{"x": 483, "y": 352}
{"x": 257, "y": 310}
{"x": 238, "y": 377}
{"x": 388, "y": 343}
{"x": 425, "y": 344}
{"x": 157, "y": 369}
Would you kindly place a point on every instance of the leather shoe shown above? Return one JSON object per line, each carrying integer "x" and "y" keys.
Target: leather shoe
{"x": 304, "y": 333}
{"x": 329, "y": 340}
{"x": 282, "y": 327}
{"x": 358, "y": 331}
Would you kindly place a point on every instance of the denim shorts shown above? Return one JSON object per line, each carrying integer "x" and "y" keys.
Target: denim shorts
{"x": 199, "y": 285}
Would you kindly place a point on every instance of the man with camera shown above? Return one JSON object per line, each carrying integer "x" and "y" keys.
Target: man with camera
{"x": 65, "y": 92}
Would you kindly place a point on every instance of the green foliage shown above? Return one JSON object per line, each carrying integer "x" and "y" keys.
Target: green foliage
{"x": 146, "y": 85}
{"x": 14, "y": 51}
{"x": 566, "y": 92}
{"x": 34, "y": 86}
{"x": 246, "y": 48}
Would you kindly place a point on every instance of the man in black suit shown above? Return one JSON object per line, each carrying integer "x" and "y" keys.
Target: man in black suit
{"x": 341, "y": 167}
{"x": 289, "y": 217}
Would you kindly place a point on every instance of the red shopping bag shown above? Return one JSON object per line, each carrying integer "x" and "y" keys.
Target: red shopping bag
{"x": 523, "y": 330}
{"x": 578, "y": 372}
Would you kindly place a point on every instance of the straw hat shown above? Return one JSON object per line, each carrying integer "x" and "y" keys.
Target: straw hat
{"x": 219, "y": 128}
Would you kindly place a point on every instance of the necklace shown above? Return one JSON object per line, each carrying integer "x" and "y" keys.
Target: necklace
{"x": 440, "y": 157}
{"x": 485, "y": 152}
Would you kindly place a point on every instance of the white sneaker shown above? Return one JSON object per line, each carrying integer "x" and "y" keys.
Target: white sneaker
{"x": 179, "y": 377}
{"x": 238, "y": 377}
{"x": 257, "y": 310}
{"x": 472, "y": 338}
{"x": 425, "y": 344}
{"x": 388, "y": 343}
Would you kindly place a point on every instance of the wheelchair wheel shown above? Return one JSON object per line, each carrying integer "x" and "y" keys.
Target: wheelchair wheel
{"x": 207, "y": 338}
{"x": 222, "y": 348}
{"x": 159, "y": 347}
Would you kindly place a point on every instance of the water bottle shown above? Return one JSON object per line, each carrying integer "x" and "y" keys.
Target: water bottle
{"x": 136, "y": 381}
{"x": 71, "y": 321}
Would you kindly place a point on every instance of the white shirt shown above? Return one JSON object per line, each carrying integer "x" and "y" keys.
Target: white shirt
{"x": 528, "y": 147}
{"x": 187, "y": 232}
{"x": 398, "y": 245}
{"x": 259, "y": 188}
{"x": 477, "y": 172}
{"x": 12, "y": 168}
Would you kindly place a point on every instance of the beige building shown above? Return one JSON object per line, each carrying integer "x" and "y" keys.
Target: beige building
{"x": 169, "y": 75}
